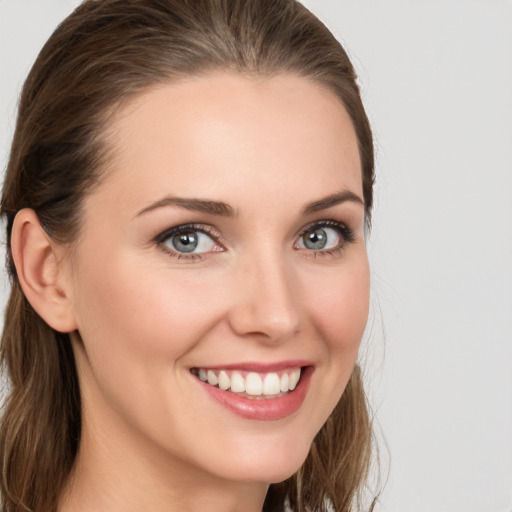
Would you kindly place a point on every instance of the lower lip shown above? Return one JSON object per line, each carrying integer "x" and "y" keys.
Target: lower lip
{"x": 263, "y": 409}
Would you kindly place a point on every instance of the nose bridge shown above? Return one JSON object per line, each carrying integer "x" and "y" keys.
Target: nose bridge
{"x": 267, "y": 303}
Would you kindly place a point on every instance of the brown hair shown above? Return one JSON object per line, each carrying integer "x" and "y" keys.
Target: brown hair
{"x": 103, "y": 54}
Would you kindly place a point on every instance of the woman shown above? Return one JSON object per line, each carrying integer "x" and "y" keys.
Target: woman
{"x": 187, "y": 196}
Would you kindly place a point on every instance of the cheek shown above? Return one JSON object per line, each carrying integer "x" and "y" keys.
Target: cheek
{"x": 138, "y": 324}
{"x": 337, "y": 303}
{"x": 341, "y": 305}
{"x": 144, "y": 310}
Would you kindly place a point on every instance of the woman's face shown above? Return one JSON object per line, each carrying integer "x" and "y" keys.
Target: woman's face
{"x": 225, "y": 243}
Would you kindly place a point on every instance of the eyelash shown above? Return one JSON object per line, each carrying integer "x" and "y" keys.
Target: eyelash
{"x": 183, "y": 228}
{"x": 346, "y": 237}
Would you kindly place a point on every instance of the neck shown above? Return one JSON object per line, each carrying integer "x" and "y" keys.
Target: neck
{"x": 130, "y": 475}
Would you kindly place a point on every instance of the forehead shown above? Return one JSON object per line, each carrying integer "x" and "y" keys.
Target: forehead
{"x": 228, "y": 132}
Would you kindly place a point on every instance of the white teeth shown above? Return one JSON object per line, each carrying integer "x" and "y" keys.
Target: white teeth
{"x": 237, "y": 383}
{"x": 271, "y": 384}
{"x": 224, "y": 382}
{"x": 294, "y": 379}
{"x": 285, "y": 380}
{"x": 212, "y": 378}
{"x": 253, "y": 384}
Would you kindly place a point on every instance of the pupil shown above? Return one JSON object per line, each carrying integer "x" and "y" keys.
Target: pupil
{"x": 185, "y": 242}
{"x": 316, "y": 239}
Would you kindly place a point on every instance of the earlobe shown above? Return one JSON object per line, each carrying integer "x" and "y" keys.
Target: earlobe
{"x": 37, "y": 267}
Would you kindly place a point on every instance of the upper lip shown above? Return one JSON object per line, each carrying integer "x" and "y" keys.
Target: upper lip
{"x": 252, "y": 366}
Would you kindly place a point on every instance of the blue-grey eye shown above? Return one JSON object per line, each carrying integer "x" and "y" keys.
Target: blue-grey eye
{"x": 319, "y": 238}
{"x": 190, "y": 241}
{"x": 185, "y": 242}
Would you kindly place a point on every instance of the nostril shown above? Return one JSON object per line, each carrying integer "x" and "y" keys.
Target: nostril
{"x": 268, "y": 328}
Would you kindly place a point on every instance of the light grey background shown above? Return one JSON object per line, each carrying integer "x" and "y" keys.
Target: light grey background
{"x": 437, "y": 80}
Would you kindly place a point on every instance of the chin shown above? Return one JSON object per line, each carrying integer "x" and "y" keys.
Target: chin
{"x": 272, "y": 467}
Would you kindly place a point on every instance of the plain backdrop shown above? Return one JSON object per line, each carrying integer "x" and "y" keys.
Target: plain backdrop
{"x": 436, "y": 79}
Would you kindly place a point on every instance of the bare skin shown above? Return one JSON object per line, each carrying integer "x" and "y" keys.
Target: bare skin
{"x": 278, "y": 160}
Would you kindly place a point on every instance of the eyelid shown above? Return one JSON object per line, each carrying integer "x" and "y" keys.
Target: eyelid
{"x": 342, "y": 227}
{"x": 346, "y": 234}
{"x": 206, "y": 229}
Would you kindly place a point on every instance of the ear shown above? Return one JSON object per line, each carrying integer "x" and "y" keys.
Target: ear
{"x": 36, "y": 258}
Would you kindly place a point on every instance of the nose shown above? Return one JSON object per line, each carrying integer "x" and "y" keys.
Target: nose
{"x": 266, "y": 304}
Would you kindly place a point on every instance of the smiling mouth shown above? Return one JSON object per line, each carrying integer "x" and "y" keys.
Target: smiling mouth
{"x": 253, "y": 385}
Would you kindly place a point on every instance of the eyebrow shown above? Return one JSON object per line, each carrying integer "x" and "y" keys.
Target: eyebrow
{"x": 198, "y": 205}
{"x": 332, "y": 200}
{"x": 225, "y": 210}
